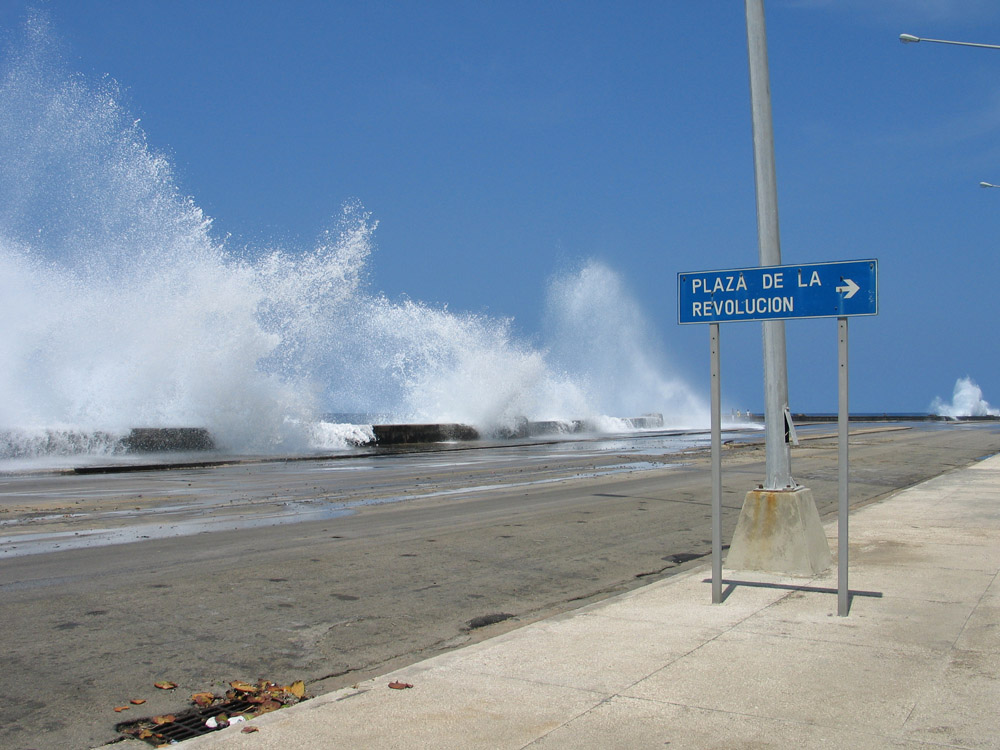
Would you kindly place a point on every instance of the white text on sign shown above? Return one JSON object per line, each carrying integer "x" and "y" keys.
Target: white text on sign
{"x": 815, "y": 290}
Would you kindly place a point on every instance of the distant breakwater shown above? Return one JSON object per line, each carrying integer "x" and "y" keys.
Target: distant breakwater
{"x": 148, "y": 440}
{"x": 170, "y": 439}
{"x": 151, "y": 440}
{"x": 400, "y": 434}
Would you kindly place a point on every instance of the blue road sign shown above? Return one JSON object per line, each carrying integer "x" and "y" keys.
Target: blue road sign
{"x": 815, "y": 290}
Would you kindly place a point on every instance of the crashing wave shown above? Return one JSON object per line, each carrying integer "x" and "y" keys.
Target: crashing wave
{"x": 966, "y": 401}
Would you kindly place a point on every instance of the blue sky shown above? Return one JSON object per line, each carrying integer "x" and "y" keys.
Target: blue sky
{"x": 500, "y": 144}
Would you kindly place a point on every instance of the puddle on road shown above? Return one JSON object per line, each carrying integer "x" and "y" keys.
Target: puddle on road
{"x": 51, "y": 541}
{"x": 607, "y": 471}
{"x": 170, "y": 520}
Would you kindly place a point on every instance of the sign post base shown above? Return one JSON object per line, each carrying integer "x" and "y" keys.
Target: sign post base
{"x": 779, "y": 531}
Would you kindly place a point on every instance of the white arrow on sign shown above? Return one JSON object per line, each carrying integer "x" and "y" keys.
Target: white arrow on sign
{"x": 850, "y": 288}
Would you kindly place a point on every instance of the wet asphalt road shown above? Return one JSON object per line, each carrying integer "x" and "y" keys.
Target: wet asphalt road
{"x": 396, "y": 557}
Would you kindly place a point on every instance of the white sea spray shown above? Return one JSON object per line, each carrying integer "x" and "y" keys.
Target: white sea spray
{"x": 121, "y": 309}
{"x": 966, "y": 401}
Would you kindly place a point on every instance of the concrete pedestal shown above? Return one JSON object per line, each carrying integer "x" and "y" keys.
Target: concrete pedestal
{"x": 779, "y": 532}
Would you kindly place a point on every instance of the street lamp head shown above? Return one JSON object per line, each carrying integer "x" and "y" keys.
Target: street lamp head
{"x": 906, "y": 38}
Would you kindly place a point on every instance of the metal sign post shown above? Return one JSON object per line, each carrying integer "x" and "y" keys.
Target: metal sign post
{"x": 843, "y": 598}
{"x": 716, "y": 466}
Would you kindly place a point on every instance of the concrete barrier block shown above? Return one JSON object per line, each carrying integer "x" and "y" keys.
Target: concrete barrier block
{"x": 400, "y": 434}
{"x": 159, "y": 439}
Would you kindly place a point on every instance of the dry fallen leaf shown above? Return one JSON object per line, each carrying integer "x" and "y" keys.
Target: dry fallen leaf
{"x": 119, "y": 709}
{"x": 203, "y": 699}
{"x": 246, "y": 687}
{"x": 248, "y": 730}
{"x": 270, "y": 705}
{"x": 400, "y": 685}
{"x": 137, "y": 701}
{"x": 164, "y": 719}
{"x": 165, "y": 685}
{"x": 297, "y": 688}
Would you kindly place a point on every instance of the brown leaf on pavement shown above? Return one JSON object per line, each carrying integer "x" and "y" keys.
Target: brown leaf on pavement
{"x": 248, "y": 730}
{"x": 400, "y": 685}
{"x": 164, "y": 719}
{"x": 203, "y": 699}
{"x": 270, "y": 705}
{"x": 137, "y": 701}
{"x": 246, "y": 687}
{"x": 165, "y": 685}
{"x": 297, "y": 688}
{"x": 119, "y": 709}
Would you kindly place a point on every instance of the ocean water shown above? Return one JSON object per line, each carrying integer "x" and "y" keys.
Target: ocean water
{"x": 122, "y": 309}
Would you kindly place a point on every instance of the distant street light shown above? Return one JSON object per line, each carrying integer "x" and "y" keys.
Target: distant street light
{"x": 909, "y": 38}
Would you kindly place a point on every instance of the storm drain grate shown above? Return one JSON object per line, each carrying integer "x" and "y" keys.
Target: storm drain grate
{"x": 243, "y": 701}
{"x": 193, "y": 723}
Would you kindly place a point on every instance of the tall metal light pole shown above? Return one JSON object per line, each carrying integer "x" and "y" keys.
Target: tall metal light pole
{"x": 779, "y": 528}
{"x": 777, "y": 454}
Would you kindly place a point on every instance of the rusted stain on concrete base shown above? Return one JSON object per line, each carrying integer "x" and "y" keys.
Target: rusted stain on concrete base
{"x": 779, "y": 532}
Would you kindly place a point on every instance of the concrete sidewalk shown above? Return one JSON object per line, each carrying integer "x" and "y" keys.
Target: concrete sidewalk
{"x": 916, "y": 664}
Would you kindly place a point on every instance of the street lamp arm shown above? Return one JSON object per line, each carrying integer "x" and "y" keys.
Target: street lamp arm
{"x": 909, "y": 38}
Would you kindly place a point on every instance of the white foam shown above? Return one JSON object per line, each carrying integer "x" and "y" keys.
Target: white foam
{"x": 333, "y": 436}
{"x": 966, "y": 401}
{"x": 598, "y": 332}
{"x": 120, "y": 309}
